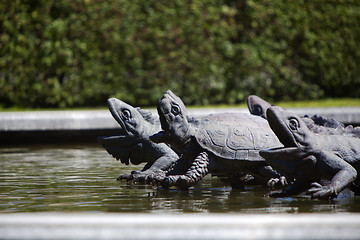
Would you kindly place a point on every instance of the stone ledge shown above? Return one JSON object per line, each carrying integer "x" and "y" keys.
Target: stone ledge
{"x": 56, "y": 120}
{"x": 86, "y": 125}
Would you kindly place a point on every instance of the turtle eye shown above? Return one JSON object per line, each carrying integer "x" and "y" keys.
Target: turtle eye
{"x": 293, "y": 124}
{"x": 175, "y": 109}
{"x": 126, "y": 114}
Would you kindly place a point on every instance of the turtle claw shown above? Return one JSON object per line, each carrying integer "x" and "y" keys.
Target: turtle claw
{"x": 127, "y": 177}
{"x": 158, "y": 179}
{"x": 130, "y": 176}
{"x": 179, "y": 181}
{"x": 321, "y": 192}
{"x": 169, "y": 181}
{"x": 272, "y": 182}
{"x": 140, "y": 178}
{"x": 316, "y": 185}
{"x": 275, "y": 183}
{"x": 283, "y": 181}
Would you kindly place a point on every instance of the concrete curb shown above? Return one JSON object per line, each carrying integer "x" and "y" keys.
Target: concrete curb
{"x": 178, "y": 226}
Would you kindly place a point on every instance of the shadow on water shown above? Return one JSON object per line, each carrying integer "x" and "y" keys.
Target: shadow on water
{"x": 82, "y": 178}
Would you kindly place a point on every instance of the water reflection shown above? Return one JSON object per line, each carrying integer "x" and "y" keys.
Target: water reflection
{"x": 82, "y": 178}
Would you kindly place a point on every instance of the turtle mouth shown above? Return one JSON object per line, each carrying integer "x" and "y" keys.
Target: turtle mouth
{"x": 280, "y": 128}
{"x": 115, "y": 110}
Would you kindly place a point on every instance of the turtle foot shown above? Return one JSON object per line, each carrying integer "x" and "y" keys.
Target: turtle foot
{"x": 144, "y": 177}
{"x": 128, "y": 177}
{"x": 169, "y": 181}
{"x": 148, "y": 177}
{"x": 322, "y": 192}
{"x": 179, "y": 181}
{"x": 183, "y": 182}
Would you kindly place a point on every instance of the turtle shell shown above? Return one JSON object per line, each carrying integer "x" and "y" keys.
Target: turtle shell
{"x": 236, "y": 136}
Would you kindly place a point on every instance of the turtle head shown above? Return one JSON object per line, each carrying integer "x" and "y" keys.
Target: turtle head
{"x": 129, "y": 118}
{"x": 174, "y": 121}
{"x": 257, "y": 106}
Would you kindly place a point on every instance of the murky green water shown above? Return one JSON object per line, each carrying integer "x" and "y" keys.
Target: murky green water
{"x": 82, "y": 178}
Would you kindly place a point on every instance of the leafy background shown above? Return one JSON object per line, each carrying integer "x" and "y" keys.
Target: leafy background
{"x": 78, "y": 53}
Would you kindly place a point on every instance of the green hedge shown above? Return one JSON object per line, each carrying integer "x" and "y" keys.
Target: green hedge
{"x": 78, "y": 53}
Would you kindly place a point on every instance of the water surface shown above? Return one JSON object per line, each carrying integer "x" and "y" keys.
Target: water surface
{"x": 82, "y": 178}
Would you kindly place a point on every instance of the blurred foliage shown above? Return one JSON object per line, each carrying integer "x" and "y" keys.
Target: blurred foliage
{"x": 78, "y": 53}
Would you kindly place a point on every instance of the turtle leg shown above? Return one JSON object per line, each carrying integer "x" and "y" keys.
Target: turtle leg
{"x": 272, "y": 177}
{"x": 195, "y": 173}
{"x": 268, "y": 172}
{"x": 265, "y": 174}
{"x": 178, "y": 168}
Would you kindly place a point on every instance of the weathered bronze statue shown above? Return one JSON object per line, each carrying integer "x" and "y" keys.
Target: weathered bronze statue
{"x": 308, "y": 157}
{"x": 225, "y": 143}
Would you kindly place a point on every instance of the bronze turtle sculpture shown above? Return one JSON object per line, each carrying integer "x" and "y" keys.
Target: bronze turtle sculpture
{"x": 224, "y": 143}
{"x": 134, "y": 145}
